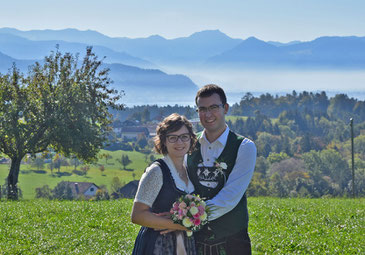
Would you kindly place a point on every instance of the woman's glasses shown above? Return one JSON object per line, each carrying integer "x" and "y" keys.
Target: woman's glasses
{"x": 173, "y": 138}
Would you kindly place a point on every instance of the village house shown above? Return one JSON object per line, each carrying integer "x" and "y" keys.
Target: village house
{"x": 127, "y": 191}
{"x": 86, "y": 189}
{"x": 133, "y": 132}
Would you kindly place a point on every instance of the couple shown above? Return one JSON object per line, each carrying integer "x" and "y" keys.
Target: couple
{"x": 175, "y": 175}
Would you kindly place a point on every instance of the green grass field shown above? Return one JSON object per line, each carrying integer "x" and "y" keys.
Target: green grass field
{"x": 29, "y": 179}
{"x": 277, "y": 226}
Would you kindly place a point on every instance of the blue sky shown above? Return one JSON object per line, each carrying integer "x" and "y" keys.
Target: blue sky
{"x": 276, "y": 20}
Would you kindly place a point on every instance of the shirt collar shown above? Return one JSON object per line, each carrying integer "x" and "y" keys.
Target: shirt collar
{"x": 222, "y": 139}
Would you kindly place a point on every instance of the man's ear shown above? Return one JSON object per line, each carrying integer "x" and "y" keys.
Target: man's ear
{"x": 226, "y": 107}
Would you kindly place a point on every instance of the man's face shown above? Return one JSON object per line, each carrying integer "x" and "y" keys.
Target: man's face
{"x": 211, "y": 113}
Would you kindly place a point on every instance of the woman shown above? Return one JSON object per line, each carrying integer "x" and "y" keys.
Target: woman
{"x": 162, "y": 183}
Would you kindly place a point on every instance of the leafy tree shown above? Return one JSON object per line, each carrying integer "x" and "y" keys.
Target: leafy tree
{"x": 277, "y": 157}
{"x": 43, "y": 192}
{"x": 124, "y": 161}
{"x": 152, "y": 158}
{"x": 329, "y": 171}
{"x": 277, "y": 187}
{"x": 60, "y": 104}
{"x": 38, "y": 163}
{"x": 258, "y": 185}
{"x": 102, "y": 169}
{"x": 116, "y": 185}
{"x": 85, "y": 169}
{"x": 102, "y": 194}
{"x": 142, "y": 141}
{"x": 62, "y": 191}
{"x": 107, "y": 156}
{"x": 75, "y": 162}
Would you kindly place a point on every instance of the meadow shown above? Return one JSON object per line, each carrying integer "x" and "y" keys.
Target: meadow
{"x": 277, "y": 226}
{"x": 30, "y": 178}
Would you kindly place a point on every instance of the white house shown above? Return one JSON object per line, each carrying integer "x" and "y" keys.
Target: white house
{"x": 132, "y": 132}
{"x": 86, "y": 189}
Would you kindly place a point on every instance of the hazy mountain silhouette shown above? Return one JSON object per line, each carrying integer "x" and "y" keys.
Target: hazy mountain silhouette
{"x": 151, "y": 86}
{"x": 210, "y": 47}
{"x": 323, "y": 52}
{"x": 22, "y": 48}
{"x": 140, "y": 85}
{"x": 193, "y": 49}
{"x": 6, "y": 62}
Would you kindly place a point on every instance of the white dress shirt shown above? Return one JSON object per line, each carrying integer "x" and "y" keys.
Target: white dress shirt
{"x": 240, "y": 177}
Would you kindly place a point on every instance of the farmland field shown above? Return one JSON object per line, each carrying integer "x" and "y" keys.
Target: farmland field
{"x": 277, "y": 226}
{"x": 30, "y": 178}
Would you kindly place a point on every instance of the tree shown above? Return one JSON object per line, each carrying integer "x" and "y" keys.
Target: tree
{"x": 75, "y": 162}
{"x": 124, "y": 161}
{"x": 60, "y": 104}
{"x": 38, "y": 163}
{"x": 43, "y": 192}
{"x": 107, "y": 156}
{"x": 85, "y": 169}
{"x": 62, "y": 191}
{"x": 142, "y": 141}
{"x": 116, "y": 185}
{"x": 102, "y": 169}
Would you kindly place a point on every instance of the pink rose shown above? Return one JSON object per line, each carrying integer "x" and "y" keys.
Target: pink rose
{"x": 196, "y": 222}
{"x": 201, "y": 209}
{"x": 182, "y": 205}
{"x": 185, "y": 212}
{"x": 196, "y": 216}
{"x": 176, "y": 206}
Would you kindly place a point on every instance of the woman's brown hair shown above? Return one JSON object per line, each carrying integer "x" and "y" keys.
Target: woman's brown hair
{"x": 170, "y": 124}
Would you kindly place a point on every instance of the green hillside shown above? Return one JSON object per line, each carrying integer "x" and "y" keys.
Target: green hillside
{"x": 29, "y": 179}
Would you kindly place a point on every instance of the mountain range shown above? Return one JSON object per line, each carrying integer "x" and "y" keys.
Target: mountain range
{"x": 205, "y": 48}
{"x": 135, "y": 63}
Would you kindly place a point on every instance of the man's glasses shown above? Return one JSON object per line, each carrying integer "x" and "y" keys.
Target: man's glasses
{"x": 173, "y": 138}
{"x": 213, "y": 108}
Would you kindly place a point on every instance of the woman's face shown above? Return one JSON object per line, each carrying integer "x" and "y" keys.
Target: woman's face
{"x": 178, "y": 142}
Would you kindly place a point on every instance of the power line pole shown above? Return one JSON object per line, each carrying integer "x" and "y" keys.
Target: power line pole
{"x": 352, "y": 156}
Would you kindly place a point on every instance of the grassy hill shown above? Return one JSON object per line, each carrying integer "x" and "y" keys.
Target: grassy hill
{"x": 30, "y": 178}
{"x": 277, "y": 226}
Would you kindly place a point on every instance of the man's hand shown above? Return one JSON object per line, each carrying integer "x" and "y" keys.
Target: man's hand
{"x": 166, "y": 215}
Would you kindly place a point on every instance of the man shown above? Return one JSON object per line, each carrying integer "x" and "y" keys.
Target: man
{"x": 221, "y": 168}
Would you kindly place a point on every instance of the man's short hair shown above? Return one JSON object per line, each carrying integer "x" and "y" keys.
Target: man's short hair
{"x": 209, "y": 90}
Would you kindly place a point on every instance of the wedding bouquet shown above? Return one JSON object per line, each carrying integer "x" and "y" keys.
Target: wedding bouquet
{"x": 190, "y": 211}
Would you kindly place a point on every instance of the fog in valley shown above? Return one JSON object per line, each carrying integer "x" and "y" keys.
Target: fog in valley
{"x": 276, "y": 82}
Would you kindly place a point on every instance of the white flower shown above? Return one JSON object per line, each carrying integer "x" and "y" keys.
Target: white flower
{"x": 187, "y": 223}
{"x": 223, "y": 165}
{"x": 194, "y": 210}
{"x": 220, "y": 165}
{"x": 203, "y": 217}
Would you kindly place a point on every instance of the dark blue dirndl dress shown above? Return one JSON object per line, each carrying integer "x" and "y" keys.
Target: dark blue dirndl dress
{"x": 151, "y": 242}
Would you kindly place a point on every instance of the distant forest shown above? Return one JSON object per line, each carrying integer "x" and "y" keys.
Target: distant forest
{"x": 303, "y": 141}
